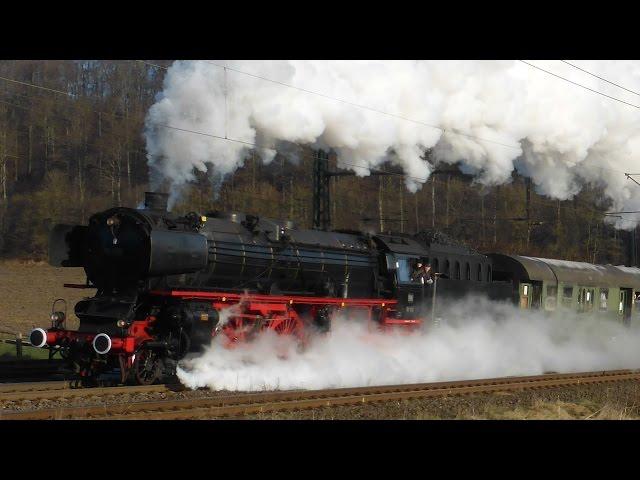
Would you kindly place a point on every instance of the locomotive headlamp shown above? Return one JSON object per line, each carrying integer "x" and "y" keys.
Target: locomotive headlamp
{"x": 112, "y": 221}
{"x": 121, "y": 323}
{"x": 57, "y": 317}
{"x": 203, "y": 218}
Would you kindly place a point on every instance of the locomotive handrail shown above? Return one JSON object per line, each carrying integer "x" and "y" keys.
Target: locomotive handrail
{"x": 291, "y": 299}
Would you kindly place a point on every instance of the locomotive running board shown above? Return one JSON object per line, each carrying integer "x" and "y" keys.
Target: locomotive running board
{"x": 290, "y": 299}
{"x": 270, "y": 301}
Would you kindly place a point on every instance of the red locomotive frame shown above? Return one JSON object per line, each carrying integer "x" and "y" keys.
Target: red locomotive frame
{"x": 282, "y": 313}
{"x": 241, "y": 317}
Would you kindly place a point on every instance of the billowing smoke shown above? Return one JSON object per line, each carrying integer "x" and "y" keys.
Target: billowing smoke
{"x": 479, "y": 339}
{"x": 491, "y": 116}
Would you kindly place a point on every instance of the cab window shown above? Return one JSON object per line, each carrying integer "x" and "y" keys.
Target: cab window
{"x": 403, "y": 269}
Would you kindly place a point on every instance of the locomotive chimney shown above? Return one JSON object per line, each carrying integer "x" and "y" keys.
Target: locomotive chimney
{"x": 156, "y": 201}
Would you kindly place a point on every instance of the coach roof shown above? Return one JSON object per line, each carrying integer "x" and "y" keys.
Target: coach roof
{"x": 567, "y": 272}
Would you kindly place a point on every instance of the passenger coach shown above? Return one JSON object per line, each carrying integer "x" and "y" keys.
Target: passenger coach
{"x": 542, "y": 283}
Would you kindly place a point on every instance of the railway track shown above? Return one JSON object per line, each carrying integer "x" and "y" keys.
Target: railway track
{"x": 35, "y": 391}
{"x": 239, "y": 405}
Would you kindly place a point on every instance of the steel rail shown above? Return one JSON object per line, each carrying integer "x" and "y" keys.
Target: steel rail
{"x": 239, "y": 405}
{"x": 64, "y": 389}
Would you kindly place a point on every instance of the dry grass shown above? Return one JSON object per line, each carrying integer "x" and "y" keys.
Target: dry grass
{"x": 28, "y": 290}
{"x": 587, "y": 402}
{"x": 540, "y": 410}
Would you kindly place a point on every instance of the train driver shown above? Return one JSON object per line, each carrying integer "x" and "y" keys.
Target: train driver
{"x": 422, "y": 273}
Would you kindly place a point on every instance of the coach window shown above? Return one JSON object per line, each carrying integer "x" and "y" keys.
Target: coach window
{"x": 552, "y": 297}
{"x": 604, "y": 297}
{"x": 581, "y": 296}
{"x": 435, "y": 265}
{"x": 489, "y": 273}
{"x": 567, "y": 295}
{"x": 468, "y": 275}
{"x": 457, "y": 270}
{"x": 589, "y": 299}
{"x": 479, "y": 272}
{"x": 621, "y": 304}
{"x": 446, "y": 267}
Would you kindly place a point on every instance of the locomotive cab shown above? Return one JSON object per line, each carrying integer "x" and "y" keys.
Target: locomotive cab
{"x": 412, "y": 291}
{"x": 401, "y": 258}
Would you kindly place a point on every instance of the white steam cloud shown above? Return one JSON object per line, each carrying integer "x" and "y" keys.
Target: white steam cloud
{"x": 480, "y": 339}
{"x": 559, "y": 134}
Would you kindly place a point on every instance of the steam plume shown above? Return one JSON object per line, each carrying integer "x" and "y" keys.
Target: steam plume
{"x": 480, "y": 339}
{"x": 559, "y": 134}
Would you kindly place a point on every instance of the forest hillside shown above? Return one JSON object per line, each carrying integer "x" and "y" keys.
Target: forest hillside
{"x": 71, "y": 143}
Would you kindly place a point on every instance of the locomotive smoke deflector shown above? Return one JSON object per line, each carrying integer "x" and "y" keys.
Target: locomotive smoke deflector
{"x": 128, "y": 245}
{"x": 67, "y": 245}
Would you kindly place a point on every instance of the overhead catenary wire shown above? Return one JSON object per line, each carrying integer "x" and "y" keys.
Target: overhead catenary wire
{"x": 7, "y": 154}
{"x": 364, "y": 107}
{"x": 580, "y": 85}
{"x": 600, "y": 78}
{"x": 251, "y": 144}
{"x": 172, "y": 127}
{"x": 248, "y": 144}
{"x": 226, "y": 67}
{"x": 631, "y": 175}
{"x": 33, "y": 85}
{"x": 353, "y": 104}
{"x": 58, "y": 142}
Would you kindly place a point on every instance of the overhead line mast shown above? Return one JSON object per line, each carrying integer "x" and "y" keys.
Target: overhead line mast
{"x": 631, "y": 175}
{"x": 634, "y": 250}
{"x": 322, "y": 193}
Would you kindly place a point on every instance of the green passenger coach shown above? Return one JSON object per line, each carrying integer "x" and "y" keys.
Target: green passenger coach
{"x": 547, "y": 284}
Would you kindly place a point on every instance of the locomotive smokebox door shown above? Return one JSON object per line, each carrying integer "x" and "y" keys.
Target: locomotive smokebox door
{"x": 67, "y": 245}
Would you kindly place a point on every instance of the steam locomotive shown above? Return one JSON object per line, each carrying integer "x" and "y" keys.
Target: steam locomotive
{"x": 165, "y": 284}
